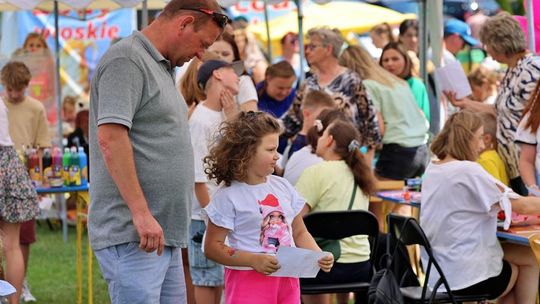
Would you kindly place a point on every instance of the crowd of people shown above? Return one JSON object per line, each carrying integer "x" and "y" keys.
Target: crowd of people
{"x": 228, "y": 160}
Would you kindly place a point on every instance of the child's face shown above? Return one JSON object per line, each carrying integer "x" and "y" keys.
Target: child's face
{"x": 478, "y": 141}
{"x": 266, "y": 156}
{"x": 15, "y": 95}
{"x": 279, "y": 87}
{"x": 230, "y": 80}
{"x": 223, "y": 49}
{"x": 393, "y": 62}
{"x": 34, "y": 45}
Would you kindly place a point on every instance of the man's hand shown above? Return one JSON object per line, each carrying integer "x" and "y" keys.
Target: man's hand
{"x": 150, "y": 233}
{"x": 326, "y": 263}
{"x": 264, "y": 263}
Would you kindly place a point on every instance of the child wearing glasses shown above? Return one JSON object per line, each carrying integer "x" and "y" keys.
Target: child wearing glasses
{"x": 258, "y": 212}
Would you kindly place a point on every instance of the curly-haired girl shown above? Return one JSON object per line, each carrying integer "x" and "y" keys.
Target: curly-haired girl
{"x": 244, "y": 160}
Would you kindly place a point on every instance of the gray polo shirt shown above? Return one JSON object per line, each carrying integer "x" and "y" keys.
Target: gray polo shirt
{"x": 133, "y": 86}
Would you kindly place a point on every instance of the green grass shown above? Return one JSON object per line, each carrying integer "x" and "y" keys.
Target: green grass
{"x": 52, "y": 269}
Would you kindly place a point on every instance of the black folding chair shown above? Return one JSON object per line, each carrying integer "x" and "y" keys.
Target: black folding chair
{"x": 409, "y": 232}
{"x": 336, "y": 225}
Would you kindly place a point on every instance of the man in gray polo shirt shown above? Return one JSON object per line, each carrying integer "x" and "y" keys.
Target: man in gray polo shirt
{"x": 141, "y": 156}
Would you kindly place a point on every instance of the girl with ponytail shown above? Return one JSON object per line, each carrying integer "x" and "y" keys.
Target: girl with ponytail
{"x": 343, "y": 181}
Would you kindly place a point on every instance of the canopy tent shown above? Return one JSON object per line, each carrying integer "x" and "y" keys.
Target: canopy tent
{"x": 354, "y": 17}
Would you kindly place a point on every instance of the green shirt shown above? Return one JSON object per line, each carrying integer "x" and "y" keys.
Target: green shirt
{"x": 404, "y": 123}
{"x": 420, "y": 95}
{"x": 323, "y": 193}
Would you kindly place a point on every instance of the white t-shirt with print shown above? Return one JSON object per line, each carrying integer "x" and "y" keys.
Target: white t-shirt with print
{"x": 459, "y": 216}
{"x": 525, "y": 135}
{"x": 5, "y": 139}
{"x": 203, "y": 125}
{"x": 258, "y": 217}
{"x": 298, "y": 162}
{"x": 246, "y": 90}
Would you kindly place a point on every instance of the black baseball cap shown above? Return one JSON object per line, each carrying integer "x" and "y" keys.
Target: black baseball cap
{"x": 208, "y": 67}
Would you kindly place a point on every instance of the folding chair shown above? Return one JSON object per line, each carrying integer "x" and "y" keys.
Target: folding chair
{"x": 336, "y": 225}
{"x": 408, "y": 231}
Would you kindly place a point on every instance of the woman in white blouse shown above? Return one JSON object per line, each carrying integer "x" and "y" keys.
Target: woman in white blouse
{"x": 460, "y": 201}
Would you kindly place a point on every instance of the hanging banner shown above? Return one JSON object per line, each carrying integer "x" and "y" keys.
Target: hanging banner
{"x": 84, "y": 38}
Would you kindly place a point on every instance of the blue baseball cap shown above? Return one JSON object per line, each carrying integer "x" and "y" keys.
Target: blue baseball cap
{"x": 208, "y": 67}
{"x": 455, "y": 26}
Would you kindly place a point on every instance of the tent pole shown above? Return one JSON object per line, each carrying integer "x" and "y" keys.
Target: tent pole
{"x": 300, "y": 39}
{"x": 57, "y": 87}
{"x": 530, "y": 25}
{"x": 268, "y": 41}
{"x": 144, "y": 21}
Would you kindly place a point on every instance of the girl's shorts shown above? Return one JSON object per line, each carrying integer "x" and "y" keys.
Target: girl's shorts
{"x": 18, "y": 198}
{"x": 249, "y": 286}
{"x": 203, "y": 272}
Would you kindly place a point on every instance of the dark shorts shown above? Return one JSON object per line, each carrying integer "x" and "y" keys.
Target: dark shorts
{"x": 342, "y": 273}
{"x": 28, "y": 232}
{"x": 398, "y": 163}
{"x": 494, "y": 286}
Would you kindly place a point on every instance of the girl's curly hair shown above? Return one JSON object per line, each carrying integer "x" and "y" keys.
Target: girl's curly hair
{"x": 237, "y": 142}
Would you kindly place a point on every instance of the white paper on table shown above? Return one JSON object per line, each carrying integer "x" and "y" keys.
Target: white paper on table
{"x": 451, "y": 77}
{"x": 298, "y": 262}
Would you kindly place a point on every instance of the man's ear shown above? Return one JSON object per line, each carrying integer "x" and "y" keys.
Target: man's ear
{"x": 184, "y": 21}
{"x": 305, "y": 112}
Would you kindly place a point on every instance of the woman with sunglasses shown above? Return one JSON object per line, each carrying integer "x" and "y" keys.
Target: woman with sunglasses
{"x": 344, "y": 85}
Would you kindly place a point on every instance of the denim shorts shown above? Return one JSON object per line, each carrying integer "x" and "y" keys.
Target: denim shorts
{"x": 135, "y": 276}
{"x": 204, "y": 272}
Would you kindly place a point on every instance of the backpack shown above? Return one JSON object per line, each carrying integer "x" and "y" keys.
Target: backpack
{"x": 384, "y": 288}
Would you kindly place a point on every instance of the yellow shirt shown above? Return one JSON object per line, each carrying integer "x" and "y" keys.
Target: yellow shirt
{"x": 493, "y": 164}
{"x": 328, "y": 187}
{"x": 28, "y": 123}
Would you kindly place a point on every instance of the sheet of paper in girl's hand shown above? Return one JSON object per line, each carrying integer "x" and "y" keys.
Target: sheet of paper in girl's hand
{"x": 451, "y": 77}
{"x": 298, "y": 262}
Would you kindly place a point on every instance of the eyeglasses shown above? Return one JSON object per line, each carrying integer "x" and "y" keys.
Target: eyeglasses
{"x": 311, "y": 46}
{"x": 220, "y": 19}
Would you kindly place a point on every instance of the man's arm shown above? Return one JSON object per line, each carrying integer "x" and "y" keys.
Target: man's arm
{"x": 115, "y": 146}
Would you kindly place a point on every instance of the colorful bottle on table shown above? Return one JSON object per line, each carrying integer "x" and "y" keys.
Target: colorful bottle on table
{"x": 35, "y": 171}
{"x": 57, "y": 180}
{"x": 66, "y": 161}
{"x": 83, "y": 164}
{"x": 74, "y": 169}
{"x": 46, "y": 161}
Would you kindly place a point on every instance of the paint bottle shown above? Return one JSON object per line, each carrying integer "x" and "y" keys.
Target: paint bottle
{"x": 66, "y": 159}
{"x": 57, "y": 180}
{"x": 74, "y": 169}
{"x": 46, "y": 161}
{"x": 35, "y": 171}
{"x": 83, "y": 164}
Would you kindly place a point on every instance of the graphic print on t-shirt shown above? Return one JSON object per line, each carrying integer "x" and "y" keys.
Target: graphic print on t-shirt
{"x": 274, "y": 229}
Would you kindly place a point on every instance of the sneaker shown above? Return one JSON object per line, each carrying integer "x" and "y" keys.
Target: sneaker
{"x": 26, "y": 295}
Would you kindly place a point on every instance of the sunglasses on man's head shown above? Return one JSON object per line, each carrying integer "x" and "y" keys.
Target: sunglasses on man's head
{"x": 220, "y": 19}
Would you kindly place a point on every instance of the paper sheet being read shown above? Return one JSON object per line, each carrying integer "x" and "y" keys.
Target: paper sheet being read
{"x": 298, "y": 262}
{"x": 451, "y": 77}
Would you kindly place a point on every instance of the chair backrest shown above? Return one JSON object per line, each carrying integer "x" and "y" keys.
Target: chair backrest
{"x": 408, "y": 231}
{"x": 335, "y": 225}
